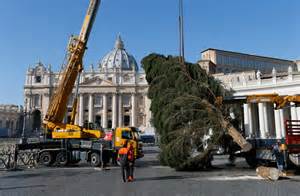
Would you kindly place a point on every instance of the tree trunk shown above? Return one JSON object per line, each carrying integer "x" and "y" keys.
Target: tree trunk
{"x": 237, "y": 136}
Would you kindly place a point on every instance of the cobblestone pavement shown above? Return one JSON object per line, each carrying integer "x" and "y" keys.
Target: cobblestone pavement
{"x": 151, "y": 179}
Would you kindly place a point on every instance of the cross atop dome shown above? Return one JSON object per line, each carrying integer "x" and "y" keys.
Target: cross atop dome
{"x": 119, "y": 43}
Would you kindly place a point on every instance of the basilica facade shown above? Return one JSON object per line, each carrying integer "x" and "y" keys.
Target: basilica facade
{"x": 111, "y": 94}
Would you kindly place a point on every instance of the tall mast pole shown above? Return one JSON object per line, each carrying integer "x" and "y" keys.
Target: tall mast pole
{"x": 181, "y": 32}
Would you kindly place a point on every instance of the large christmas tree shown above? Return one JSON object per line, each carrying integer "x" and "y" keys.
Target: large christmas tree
{"x": 183, "y": 98}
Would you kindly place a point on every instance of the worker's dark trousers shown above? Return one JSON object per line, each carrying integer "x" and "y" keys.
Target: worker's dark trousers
{"x": 130, "y": 168}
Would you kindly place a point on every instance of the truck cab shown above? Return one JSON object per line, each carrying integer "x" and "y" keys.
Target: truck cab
{"x": 130, "y": 134}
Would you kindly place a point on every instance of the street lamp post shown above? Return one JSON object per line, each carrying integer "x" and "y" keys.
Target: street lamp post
{"x": 23, "y": 136}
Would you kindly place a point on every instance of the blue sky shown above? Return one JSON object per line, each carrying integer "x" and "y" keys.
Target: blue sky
{"x": 33, "y": 30}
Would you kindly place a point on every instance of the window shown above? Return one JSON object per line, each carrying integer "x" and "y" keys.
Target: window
{"x": 38, "y": 79}
{"x": 98, "y": 100}
{"x": 126, "y": 120}
{"x": 85, "y": 101}
{"x": 36, "y": 100}
{"x": 126, "y": 100}
{"x": 98, "y": 120}
{"x": 109, "y": 124}
{"x": 109, "y": 101}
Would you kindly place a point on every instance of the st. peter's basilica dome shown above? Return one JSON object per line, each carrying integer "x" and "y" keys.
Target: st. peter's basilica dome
{"x": 118, "y": 58}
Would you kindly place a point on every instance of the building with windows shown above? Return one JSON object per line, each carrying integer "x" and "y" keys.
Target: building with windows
{"x": 11, "y": 120}
{"x": 112, "y": 94}
{"x": 221, "y": 61}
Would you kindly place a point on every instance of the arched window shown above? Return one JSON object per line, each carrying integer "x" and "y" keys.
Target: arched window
{"x": 38, "y": 79}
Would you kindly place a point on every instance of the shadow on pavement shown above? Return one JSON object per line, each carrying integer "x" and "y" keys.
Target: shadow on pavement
{"x": 49, "y": 173}
{"x": 160, "y": 178}
{"x": 146, "y": 163}
{"x": 21, "y": 187}
{"x": 22, "y": 176}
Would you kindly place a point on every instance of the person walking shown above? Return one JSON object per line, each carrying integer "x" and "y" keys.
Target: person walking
{"x": 277, "y": 152}
{"x": 127, "y": 159}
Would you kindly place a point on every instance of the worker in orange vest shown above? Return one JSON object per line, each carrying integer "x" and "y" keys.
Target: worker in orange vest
{"x": 126, "y": 158}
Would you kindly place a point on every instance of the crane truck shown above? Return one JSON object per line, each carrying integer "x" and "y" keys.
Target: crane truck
{"x": 66, "y": 143}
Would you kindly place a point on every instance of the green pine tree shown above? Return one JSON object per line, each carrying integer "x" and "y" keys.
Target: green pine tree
{"x": 183, "y": 106}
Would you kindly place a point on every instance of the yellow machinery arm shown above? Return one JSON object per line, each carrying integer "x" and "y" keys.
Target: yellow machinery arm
{"x": 279, "y": 101}
{"x": 288, "y": 99}
{"x": 263, "y": 98}
{"x": 77, "y": 46}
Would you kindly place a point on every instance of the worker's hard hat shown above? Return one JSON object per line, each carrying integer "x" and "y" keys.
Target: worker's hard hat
{"x": 278, "y": 140}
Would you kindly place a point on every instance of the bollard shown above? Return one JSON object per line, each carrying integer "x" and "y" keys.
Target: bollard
{"x": 15, "y": 157}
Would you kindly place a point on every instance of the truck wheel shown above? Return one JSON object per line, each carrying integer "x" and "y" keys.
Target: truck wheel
{"x": 251, "y": 159}
{"x": 62, "y": 159}
{"x": 95, "y": 159}
{"x": 46, "y": 158}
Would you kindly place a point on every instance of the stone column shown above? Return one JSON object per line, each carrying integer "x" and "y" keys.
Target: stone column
{"x": 262, "y": 128}
{"x": 247, "y": 121}
{"x": 104, "y": 112}
{"x": 77, "y": 114}
{"x": 81, "y": 110}
{"x": 293, "y": 111}
{"x": 266, "y": 119}
{"x": 281, "y": 113}
{"x": 91, "y": 108}
{"x": 133, "y": 110}
{"x": 45, "y": 104}
{"x": 120, "y": 118}
{"x": 277, "y": 124}
{"x": 251, "y": 120}
{"x": 41, "y": 101}
{"x": 298, "y": 112}
{"x": 114, "y": 110}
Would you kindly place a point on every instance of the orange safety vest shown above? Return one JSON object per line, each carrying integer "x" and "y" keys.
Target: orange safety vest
{"x": 123, "y": 151}
{"x": 127, "y": 151}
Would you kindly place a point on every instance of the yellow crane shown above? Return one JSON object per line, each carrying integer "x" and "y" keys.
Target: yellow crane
{"x": 67, "y": 141}
{"x": 53, "y": 122}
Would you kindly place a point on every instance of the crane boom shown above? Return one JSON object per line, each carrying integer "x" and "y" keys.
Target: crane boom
{"x": 77, "y": 46}
{"x": 89, "y": 20}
